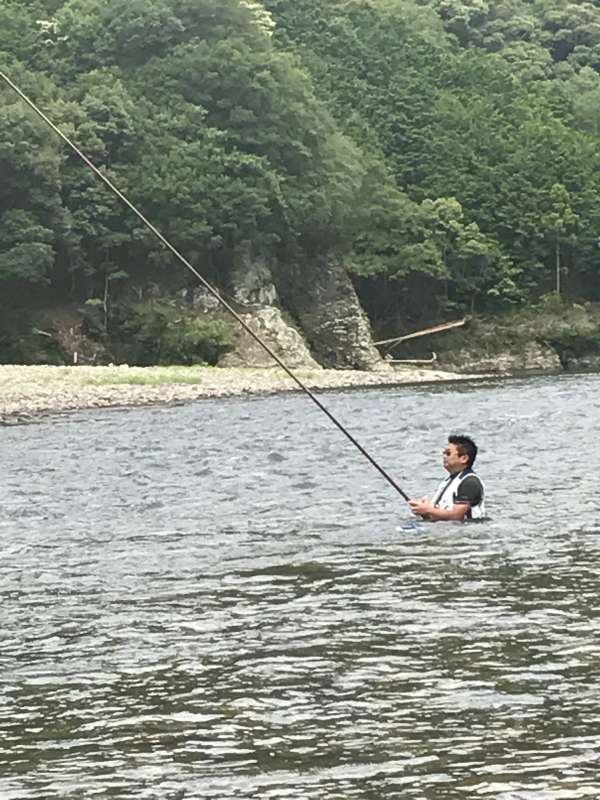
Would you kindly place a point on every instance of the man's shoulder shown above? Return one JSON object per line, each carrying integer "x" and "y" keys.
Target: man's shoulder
{"x": 471, "y": 478}
{"x": 470, "y": 489}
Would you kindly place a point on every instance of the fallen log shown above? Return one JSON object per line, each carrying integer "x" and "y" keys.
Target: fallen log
{"x": 432, "y": 360}
{"x": 446, "y": 326}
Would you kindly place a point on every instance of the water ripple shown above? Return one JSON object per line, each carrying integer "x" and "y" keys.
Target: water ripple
{"x": 223, "y": 601}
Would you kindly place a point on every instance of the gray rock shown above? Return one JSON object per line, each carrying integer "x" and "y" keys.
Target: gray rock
{"x": 202, "y": 301}
{"x": 252, "y": 281}
{"x": 532, "y": 357}
{"x": 586, "y": 363}
{"x": 281, "y": 337}
{"x": 323, "y": 299}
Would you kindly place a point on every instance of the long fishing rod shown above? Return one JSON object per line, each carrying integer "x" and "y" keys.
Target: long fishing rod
{"x": 204, "y": 283}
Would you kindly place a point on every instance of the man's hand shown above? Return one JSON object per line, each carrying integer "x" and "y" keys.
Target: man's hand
{"x": 422, "y": 507}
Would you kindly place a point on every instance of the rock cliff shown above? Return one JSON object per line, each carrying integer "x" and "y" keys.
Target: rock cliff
{"x": 313, "y": 318}
{"x": 322, "y": 298}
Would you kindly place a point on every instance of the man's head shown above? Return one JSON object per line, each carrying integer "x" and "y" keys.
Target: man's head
{"x": 460, "y": 453}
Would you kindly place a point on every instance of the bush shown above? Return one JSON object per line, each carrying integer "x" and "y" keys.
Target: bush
{"x": 575, "y": 344}
{"x": 21, "y": 343}
{"x": 147, "y": 334}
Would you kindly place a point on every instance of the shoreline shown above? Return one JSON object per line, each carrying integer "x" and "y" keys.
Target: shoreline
{"x": 29, "y": 393}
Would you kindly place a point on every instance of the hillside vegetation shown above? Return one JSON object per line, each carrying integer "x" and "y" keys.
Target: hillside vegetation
{"x": 446, "y": 152}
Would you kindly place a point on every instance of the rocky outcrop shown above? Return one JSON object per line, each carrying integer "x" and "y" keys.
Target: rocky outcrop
{"x": 321, "y": 296}
{"x": 285, "y": 341}
{"x": 252, "y": 281}
{"x": 530, "y": 357}
{"x": 587, "y": 363}
{"x": 330, "y": 327}
{"x": 310, "y": 318}
{"x": 565, "y": 337}
{"x": 254, "y": 296}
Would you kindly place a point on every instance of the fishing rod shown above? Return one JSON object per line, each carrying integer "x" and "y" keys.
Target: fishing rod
{"x": 209, "y": 288}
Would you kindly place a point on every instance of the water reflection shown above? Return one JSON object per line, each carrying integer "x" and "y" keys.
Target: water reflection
{"x": 221, "y": 600}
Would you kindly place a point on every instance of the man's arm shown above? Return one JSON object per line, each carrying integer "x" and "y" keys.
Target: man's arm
{"x": 425, "y": 509}
{"x": 470, "y": 495}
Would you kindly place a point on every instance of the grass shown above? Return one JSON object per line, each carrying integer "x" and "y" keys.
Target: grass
{"x": 160, "y": 376}
{"x": 150, "y": 378}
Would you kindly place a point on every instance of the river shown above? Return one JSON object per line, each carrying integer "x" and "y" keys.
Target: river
{"x": 224, "y": 600}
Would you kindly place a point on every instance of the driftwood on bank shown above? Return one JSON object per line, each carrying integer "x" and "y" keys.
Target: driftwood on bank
{"x": 446, "y": 326}
{"x": 390, "y": 360}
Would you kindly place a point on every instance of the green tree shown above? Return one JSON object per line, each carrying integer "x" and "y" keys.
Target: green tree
{"x": 31, "y": 213}
{"x": 559, "y": 221}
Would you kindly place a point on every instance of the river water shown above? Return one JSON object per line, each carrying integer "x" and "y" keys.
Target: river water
{"x": 224, "y": 600}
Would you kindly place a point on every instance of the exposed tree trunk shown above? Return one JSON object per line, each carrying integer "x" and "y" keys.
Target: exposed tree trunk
{"x": 105, "y": 302}
{"x": 557, "y": 265}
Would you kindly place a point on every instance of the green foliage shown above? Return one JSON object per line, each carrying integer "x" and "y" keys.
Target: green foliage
{"x": 17, "y": 35}
{"x": 160, "y": 333}
{"x": 486, "y": 125}
{"x": 447, "y": 150}
{"x": 167, "y": 376}
{"x": 26, "y": 251}
{"x": 31, "y": 214}
{"x": 22, "y": 343}
{"x": 568, "y": 31}
{"x": 28, "y": 348}
{"x": 573, "y": 344}
{"x": 551, "y": 301}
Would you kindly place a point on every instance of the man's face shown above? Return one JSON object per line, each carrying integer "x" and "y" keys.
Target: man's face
{"x": 452, "y": 459}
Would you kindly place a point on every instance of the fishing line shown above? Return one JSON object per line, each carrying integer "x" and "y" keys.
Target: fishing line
{"x": 209, "y": 288}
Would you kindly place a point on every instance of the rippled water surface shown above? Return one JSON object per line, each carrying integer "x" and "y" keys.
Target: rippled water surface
{"x": 223, "y": 600}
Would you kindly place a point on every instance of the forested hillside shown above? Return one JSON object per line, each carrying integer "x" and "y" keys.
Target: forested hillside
{"x": 445, "y": 153}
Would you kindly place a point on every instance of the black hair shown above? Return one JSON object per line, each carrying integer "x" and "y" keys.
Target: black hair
{"x": 465, "y": 446}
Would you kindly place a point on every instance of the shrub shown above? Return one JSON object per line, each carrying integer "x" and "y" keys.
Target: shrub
{"x": 146, "y": 334}
{"x": 575, "y": 344}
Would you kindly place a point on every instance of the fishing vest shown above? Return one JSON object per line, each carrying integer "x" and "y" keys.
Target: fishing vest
{"x": 448, "y": 490}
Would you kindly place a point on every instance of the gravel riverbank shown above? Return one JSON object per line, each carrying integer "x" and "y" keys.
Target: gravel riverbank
{"x": 28, "y": 392}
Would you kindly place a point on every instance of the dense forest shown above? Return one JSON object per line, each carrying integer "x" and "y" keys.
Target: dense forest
{"x": 445, "y": 152}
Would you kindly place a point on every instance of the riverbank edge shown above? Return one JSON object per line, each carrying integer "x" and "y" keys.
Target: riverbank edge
{"x": 32, "y": 393}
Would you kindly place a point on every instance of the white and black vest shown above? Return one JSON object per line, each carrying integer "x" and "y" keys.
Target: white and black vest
{"x": 447, "y": 492}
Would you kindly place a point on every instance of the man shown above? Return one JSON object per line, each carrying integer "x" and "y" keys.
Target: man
{"x": 461, "y": 495}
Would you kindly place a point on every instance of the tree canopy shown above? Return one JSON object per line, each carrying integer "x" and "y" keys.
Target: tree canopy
{"x": 445, "y": 151}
